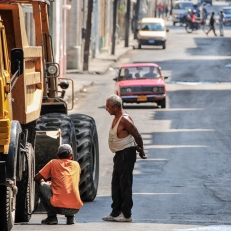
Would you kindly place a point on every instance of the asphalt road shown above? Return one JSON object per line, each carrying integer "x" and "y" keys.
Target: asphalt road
{"x": 185, "y": 182}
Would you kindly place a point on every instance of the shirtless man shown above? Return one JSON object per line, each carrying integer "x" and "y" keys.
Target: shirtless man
{"x": 124, "y": 140}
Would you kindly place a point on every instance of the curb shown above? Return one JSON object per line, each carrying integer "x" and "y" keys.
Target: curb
{"x": 78, "y": 91}
{"x": 101, "y": 72}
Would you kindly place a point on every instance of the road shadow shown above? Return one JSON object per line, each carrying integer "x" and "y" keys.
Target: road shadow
{"x": 205, "y": 46}
{"x": 137, "y": 106}
{"x": 191, "y": 70}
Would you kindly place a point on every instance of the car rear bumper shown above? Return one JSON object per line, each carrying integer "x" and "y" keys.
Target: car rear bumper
{"x": 144, "y": 99}
{"x": 151, "y": 42}
{"x": 179, "y": 18}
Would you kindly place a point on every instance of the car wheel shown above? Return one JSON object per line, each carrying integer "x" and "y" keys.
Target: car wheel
{"x": 139, "y": 46}
{"x": 188, "y": 28}
{"x": 163, "y": 103}
{"x": 164, "y": 45}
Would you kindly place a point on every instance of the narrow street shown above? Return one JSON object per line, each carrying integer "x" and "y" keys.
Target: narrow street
{"x": 185, "y": 182}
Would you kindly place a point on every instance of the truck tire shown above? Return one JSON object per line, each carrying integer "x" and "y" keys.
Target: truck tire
{"x": 25, "y": 199}
{"x": 88, "y": 155}
{"x": 7, "y": 214}
{"x": 51, "y": 122}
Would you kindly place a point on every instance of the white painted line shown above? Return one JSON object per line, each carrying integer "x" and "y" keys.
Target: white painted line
{"x": 208, "y": 228}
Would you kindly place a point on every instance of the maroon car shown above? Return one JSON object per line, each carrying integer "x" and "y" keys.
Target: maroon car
{"x": 141, "y": 83}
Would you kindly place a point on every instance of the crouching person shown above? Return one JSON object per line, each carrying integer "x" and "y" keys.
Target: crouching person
{"x": 61, "y": 194}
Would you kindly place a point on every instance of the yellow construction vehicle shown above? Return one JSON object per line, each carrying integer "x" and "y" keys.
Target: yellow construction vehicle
{"x": 32, "y": 106}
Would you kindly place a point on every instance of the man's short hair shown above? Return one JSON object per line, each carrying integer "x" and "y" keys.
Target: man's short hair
{"x": 64, "y": 150}
{"x": 115, "y": 100}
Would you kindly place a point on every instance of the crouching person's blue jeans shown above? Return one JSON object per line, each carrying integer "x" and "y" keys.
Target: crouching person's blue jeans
{"x": 45, "y": 194}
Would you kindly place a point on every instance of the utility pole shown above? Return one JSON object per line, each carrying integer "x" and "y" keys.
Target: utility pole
{"x": 171, "y": 8}
{"x": 155, "y": 15}
{"x": 127, "y": 23}
{"x": 88, "y": 36}
{"x": 114, "y": 26}
{"x": 136, "y": 18}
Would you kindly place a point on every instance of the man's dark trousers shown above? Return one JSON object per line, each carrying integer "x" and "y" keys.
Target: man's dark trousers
{"x": 122, "y": 178}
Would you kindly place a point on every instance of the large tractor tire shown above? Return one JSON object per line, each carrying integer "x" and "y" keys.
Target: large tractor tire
{"x": 7, "y": 214}
{"x": 26, "y": 188}
{"x": 52, "y": 122}
{"x": 88, "y": 155}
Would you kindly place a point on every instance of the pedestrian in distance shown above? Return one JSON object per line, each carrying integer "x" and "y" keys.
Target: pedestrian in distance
{"x": 160, "y": 10}
{"x": 166, "y": 10}
{"x": 221, "y": 22}
{"x": 212, "y": 22}
{"x": 61, "y": 194}
{"x": 204, "y": 12}
{"x": 124, "y": 140}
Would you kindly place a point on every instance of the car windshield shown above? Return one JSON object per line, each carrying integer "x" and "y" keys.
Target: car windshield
{"x": 227, "y": 11}
{"x": 184, "y": 6}
{"x": 152, "y": 27}
{"x": 130, "y": 73}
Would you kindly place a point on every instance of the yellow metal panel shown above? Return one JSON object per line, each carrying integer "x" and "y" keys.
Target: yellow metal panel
{"x": 4, "y": 130}
{"x": 4, "y": 141}
{"x": 4, "y": 123}
{"x": 4, "y": 136}
{"x": 2, "y": 96}
{"x": 4, "y": 149}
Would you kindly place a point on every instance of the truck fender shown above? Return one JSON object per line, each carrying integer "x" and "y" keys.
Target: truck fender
{"x": 11, "y": 159}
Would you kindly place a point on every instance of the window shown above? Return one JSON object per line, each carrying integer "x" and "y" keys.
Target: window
{"x": 139, "y": 72}
{"x": 185, "y": 6}
{"x": 152, "y": 27}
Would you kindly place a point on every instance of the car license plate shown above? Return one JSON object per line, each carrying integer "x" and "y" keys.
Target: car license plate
{"x": 151, "y": 41}
{"x": 142, "y": 98}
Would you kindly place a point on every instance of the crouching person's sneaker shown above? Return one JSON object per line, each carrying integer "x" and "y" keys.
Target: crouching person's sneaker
{"x": 70, "y": 220}
{"x": 121, "y": 218}
{"x": 50, "y": 221}
{"x": 108, "y": 218}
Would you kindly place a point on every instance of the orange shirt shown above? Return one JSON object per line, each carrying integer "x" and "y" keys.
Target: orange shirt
{"x": 65, "y": 176}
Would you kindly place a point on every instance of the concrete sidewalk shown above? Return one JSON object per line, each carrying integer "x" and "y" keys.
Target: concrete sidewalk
{"x": 97, "y": 66}
{"x": 101, "y": 63}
